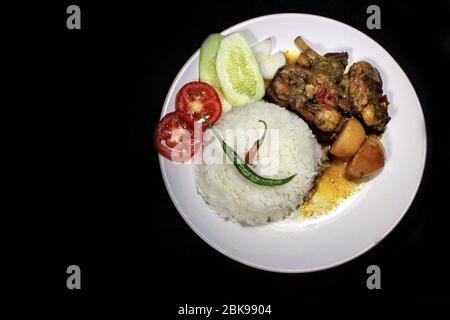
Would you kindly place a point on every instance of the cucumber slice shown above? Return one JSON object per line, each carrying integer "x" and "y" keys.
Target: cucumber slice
{"x": 208, "y": 73}
{"x": 208, "y": 53}
{"x": 238, "y": 71}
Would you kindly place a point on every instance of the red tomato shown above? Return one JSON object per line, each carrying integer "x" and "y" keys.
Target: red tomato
{"x": 199, "y": 98}
{"x": 174, "y": 137}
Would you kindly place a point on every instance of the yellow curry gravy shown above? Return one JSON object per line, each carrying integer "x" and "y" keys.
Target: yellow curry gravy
{"x": 330, "y": 188}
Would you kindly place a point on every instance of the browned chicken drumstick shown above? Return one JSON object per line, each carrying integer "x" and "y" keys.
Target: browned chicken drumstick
{"x": 362, "y": 86}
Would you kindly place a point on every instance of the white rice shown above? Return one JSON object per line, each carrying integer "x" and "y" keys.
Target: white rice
{"x": 232, "y": 196}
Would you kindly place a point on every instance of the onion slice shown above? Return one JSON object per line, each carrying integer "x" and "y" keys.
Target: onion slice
{"x": 262, "y": 49}
{"x": 270, "y": 64}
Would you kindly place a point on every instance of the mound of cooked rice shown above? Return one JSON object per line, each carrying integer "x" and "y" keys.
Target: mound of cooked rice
{"x": 231, "y": 195}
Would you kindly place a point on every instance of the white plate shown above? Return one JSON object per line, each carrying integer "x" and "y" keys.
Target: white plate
{"x": 359, "y": 223}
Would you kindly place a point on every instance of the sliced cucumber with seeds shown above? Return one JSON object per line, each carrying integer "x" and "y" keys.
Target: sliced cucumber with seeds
{"x": 208, "y": 73}
{"x": 238, "y": 71}
{"x": 208, "y": 53}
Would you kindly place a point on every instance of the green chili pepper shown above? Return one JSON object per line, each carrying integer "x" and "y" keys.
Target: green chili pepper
{"x": 244, "y": 169}
{"x": 254, "y": 149}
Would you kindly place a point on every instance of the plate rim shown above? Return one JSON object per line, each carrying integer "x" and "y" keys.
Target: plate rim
{"x": 293, "y": 270}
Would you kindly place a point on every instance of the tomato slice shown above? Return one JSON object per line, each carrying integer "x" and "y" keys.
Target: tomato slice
{"x": 199, "y": 98}
{"x": 174, "y": 137}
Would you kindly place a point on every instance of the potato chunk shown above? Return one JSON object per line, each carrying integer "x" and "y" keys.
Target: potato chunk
{"x": 368, "y": 160}
{"x": 349, "y": 140}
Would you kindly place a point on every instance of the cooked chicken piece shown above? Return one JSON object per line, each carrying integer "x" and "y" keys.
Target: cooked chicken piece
{"x": 289, "y": 80}
{"x": 325, "y": 77}
{"x": 326, "y": 73}
{"x": 318, "y": 102}
{"x": 331, "y": 64}
{"x": 327, "y": 120}
{"x": 362, "y": 86}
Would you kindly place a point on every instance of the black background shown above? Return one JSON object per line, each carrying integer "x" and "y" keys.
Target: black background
{"x": 82, "y": 179}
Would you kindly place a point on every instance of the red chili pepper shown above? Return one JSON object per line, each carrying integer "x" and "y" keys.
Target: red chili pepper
{"x": 326, "y": 98}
